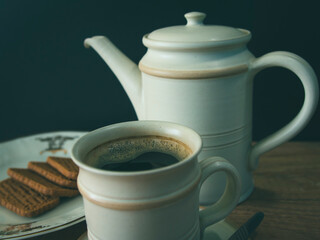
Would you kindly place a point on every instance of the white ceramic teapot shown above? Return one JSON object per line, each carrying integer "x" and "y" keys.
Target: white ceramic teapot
{"x": 201, "y": 76}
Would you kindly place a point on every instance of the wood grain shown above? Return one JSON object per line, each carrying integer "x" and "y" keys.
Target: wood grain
{"x": 287, "y": 190}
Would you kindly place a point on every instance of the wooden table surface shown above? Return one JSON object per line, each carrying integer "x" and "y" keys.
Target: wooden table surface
{"x": 287, "y": 191}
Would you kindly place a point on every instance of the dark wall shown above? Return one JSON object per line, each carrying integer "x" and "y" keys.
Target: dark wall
{"x": 49, "y": 81}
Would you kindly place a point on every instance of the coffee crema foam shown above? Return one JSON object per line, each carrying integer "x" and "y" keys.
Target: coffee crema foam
{"x": 125, "y": 149}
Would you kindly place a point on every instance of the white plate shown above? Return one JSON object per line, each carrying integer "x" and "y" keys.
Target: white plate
{"x": 219, "y": 231}
{"x": 17, "y": 153}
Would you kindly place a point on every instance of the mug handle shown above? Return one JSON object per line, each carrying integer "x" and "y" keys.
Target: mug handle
{"x": 230, "y": 197}
{"x": 310, "y": 84}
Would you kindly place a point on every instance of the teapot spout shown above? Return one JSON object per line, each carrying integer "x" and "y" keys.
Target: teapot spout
{"x": 125, "y": 70}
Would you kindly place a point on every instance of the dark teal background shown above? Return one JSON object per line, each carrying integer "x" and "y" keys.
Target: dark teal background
{"x": 50, "y": 82}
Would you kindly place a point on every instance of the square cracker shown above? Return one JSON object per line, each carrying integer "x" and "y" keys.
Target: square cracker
{"x": 23, "y": 200}
{"x": 65, "y": 166}
{"x": 40, "y": 184}
{"x": 50, "y": 173}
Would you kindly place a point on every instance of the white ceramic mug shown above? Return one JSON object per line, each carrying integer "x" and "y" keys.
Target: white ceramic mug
{"x": 154, "y": 204}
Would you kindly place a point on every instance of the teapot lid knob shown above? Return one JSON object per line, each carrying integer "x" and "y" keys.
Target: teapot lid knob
{"x": 195, "y": 18}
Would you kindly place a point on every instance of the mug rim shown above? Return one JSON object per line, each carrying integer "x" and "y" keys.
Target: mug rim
{"x": 143, "y": 126}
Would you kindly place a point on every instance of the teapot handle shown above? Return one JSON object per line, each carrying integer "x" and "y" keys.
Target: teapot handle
{"x": 310, "y": 84}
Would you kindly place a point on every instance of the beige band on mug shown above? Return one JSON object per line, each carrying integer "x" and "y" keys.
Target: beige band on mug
{"x": 148, "y": 203}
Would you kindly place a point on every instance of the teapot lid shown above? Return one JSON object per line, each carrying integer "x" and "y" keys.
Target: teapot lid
{"x": 196, "y": 35}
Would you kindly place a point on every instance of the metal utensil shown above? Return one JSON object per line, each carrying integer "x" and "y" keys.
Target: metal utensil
{"x": 248, "y": 228}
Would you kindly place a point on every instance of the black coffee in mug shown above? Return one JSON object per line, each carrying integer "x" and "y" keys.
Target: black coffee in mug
{"x": 138, "y": 154}
{"x": 145, "y": 161}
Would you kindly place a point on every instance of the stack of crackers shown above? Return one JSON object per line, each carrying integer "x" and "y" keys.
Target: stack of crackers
{"x": 38, "y": 188}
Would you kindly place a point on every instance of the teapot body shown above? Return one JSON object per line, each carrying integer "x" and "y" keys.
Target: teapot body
{"x": 218, "y": 106}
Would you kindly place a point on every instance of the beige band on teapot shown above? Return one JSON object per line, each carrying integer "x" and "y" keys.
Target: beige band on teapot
{"x": 194, "y": 74}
